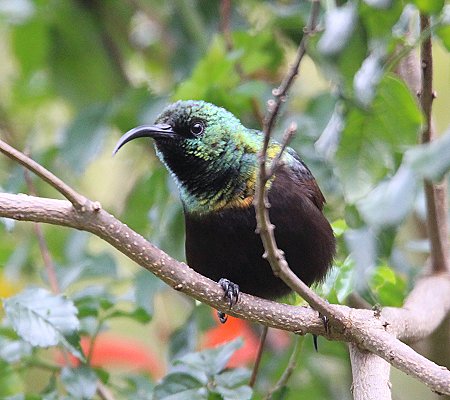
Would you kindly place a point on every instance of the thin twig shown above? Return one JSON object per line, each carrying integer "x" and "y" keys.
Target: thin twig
{"x": 282, "y": 90}
{"x": 393, "y": 62}
{"x": 46, "y": 256}
{"x": 103, "y": 392}
{"x": 265, "y": 229}
{"x": 290, "y": 368}
{"x": 77, "y": 200}
{"x": 225, "y": 19}
{"x": 435, "y": 195}
{"x": 287, "y": 137}
{"x": 262, "y": 341}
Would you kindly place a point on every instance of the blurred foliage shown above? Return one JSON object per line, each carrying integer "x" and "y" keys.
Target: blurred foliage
{"x": 76, "y": 74}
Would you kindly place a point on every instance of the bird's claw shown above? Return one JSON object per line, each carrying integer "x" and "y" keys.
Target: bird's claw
{"x": 231, "y": 293}
{"x": 325, "y": 321}
{"x": 222, "y": 316}
{"x": 326, "y": 325}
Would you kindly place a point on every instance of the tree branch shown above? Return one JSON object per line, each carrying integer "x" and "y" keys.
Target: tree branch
{"x": 436, "y": 195}
{"x": 370, "y": 375}
{"x": 46, "y": 256}
{"x": 77, "y": 200}
{"x": 265, "y": 229}
{"x": 374, "y": 333}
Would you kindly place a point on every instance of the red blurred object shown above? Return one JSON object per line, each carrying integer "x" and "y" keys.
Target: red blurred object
{"x": 114, "y": 351}
{"x": 234, "y": 328}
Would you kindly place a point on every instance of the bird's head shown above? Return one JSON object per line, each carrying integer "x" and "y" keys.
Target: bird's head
{"x": 211, "y": 155}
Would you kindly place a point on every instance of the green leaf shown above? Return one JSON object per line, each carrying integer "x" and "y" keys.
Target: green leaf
{"x": 146, "y": 285}
{"x": 137, "y": 387}
{"x": 243, "y": 392}
{"x": 215, "y": 79}
{"x": 180, "y": 386}
{"x": 31, "y": 45}
{"x": 340, "y": 281}
{"x": 429, "y": 6}
{"x": 142, "y": 198}
{"x": 11, "y": 383}
{"x": 362, "y": 245}
{"x": 17, "y": 12}
{"x": 184, "y": 339}
{"x": 92, "y": 299}
{"x": 215, "y": 70}
{"x": 367, "y": 78}
{"x": 339, "y": 227}
{"x": 431, "y": 161}
{"x": 328, "y": 141}
{"x": 389, "y": 287}
{"x": 42, "y": 318}
{"x": 260, "y": 51}
{"x": 13, "y": 350}
{"x": 88, "y": 73}
{"x": 344, "y": 283}
{"x": 371, "y": 139}
{"x": 443, "y": 29}
{"x": 83, "y": 139}
{"x": 340, "y": 24}
{"x": 80, "y": 382}
{"x": 127, "y": 110}
{"x": 138, "y": 315}
{"x": 389, "y": 202}
{"x": 379, "y": 17}
{"x": 233, "y": 378}
{"x": 281, "y": 393}
{"x": 210, "y": 361}
{"x": 101, "y": 265}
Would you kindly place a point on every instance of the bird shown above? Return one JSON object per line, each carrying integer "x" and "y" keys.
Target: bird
{"x": 213, "y": 159}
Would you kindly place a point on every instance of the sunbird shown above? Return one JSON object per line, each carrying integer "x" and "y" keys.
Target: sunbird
{"x": 213, "y": 159}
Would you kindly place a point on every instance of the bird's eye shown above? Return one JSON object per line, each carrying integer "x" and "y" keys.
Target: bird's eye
{"x": 197, "y": 128}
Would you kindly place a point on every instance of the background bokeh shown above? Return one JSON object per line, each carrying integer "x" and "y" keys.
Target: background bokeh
{"x": 76, "y": 74}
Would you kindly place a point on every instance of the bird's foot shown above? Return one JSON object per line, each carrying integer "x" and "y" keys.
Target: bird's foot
{"x": 231, "y": 293}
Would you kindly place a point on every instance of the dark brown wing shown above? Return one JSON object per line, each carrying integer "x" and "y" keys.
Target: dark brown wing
{"x": 224, "y": 244}
{"x": 307, "y": 184}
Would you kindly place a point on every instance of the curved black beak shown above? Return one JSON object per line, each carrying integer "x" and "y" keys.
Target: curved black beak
{"x": 153, "y": 131}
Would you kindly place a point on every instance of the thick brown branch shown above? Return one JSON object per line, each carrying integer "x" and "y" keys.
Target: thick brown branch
{"x": 373, "y": 333}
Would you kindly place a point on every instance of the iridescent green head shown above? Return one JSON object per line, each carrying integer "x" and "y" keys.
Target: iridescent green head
{"x": 211, "y": 155}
